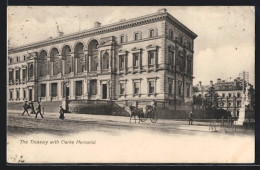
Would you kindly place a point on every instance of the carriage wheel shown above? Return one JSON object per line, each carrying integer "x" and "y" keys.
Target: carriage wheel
{"x": 143, "y": 119}
{"x": 154, "y": 117}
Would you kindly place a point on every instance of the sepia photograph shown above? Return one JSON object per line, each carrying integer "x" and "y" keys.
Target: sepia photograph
{"x": 130, "y": 84}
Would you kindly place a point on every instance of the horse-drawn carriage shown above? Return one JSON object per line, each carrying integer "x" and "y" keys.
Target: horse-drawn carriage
{"x": 143, "y": 114}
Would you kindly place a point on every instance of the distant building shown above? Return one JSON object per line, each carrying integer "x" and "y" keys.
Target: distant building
{"x": 230, "y": 94}
{"x": 244, "y": 74}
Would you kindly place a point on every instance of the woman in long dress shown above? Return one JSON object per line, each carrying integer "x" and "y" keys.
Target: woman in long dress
{"x": 61, "y": 113}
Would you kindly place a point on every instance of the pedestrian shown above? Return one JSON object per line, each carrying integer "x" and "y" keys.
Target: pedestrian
{"x": 154, "y": 105}
{"x": 32, "y": 108}
{"x": 61, "y": 113}
{"x": 190, "y": 118}
{"x": 38, "y": 109}
{"x": 25, "y": 108}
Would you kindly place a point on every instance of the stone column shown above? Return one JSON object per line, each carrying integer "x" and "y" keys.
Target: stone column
{"x": 85, "y": 89}
{"x": 59, "y": 86}
{"x": 99, "y": 69}
{"x": 48, "y": 91}
{"x": 72, "y": 89}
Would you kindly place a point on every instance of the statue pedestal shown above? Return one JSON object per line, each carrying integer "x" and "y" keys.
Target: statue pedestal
{"x": 242, "y": 113}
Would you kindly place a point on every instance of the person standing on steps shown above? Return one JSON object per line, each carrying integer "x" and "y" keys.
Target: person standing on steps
{"x": 25, "y": 108}
{"x": 38, "y": 109}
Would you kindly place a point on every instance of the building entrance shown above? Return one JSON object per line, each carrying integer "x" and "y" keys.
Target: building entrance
{"x": 104, "y": 91}
{"x": 30, "y": 94}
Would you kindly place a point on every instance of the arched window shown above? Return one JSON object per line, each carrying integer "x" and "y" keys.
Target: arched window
{"x": 105, "y": 61}
{"x": 31, "y": 70}
{"x": 92, "y": 54}
{"x": 43, "y": 63}
{"x": 79, "y": 54}
{"x": 67, "y": 57}
{"x": 55, "y": 59}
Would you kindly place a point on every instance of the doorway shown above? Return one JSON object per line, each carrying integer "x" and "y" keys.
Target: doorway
{"x": 104, "y": 91}
{"x": 67, "y": 93}
{"x": 30, "y": 94}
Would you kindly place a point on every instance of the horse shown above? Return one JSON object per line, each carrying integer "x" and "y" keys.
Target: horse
{"x": 133, "y": 111}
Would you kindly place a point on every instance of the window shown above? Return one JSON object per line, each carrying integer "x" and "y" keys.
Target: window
{"x": 151, "y": 87}
{"x": 122, "y": 88}
{"x": 54, "y": 90}
{"x": 78, "y": 88}
{"x": 24, "y": 94}
{"x": 94, "y": 63}
{"x": 24, "y": 58}
{"x": 82, "y": 68}
{"x": 10, "y": 76}
{"x": 238, "y": 95}
{"x": 239, "y": 103}
{"x": 136, "y": 59}
{"x": 43, "y": 90}
{"x": 11, "y": 94}
{"x": 229, "y": 94}
{"x": 136, "y": 88}
{"x": 17, "y": 59}
{"x": 18, "y": 93}
{"x": 170, "y": 86}
{"x": 105, "y": 61}
{"x": 171, "y": 58}
{"x": 24, "y": 74}
{"x": 188, "y": 89}
{"x": 229, "y": 104}
{"x": 151, "y": 33}
{"x": 189, "y": 66}
{"x": 93, "y": 87}
{"x": 31, "y": 70}
{"x": 171, "y": 34}
{"x": 17, "y": 74}
{"x": 151, "y": 58}
{"x": 122, "y": 39}
{"x": 179, "y": 87}
{"x": 121, "y": 61}
{"x": 136, "y": 36}
{"x": 223, "y": 95}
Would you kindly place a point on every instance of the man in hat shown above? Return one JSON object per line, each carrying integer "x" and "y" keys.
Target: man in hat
{"x": 38, "y": 109}
{"x": 25, "y": 108}
{"x": 61, "y": 113}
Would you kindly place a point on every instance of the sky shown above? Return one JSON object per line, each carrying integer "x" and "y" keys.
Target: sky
{"x": 224, "y": 47}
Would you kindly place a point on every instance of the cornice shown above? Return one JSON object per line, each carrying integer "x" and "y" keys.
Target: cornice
{"x": 94, "y": 31}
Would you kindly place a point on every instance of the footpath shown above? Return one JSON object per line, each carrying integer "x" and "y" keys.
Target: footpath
{"x": 197, "y": 125}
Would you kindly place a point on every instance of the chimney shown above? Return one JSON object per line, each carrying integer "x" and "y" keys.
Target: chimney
{"x": 219, "y": 80}
{"x": 211, "y": 83}
{"x": 97, "y": 24}
{"x": 163, "y": 10}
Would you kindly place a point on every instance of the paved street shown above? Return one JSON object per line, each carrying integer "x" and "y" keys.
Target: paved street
{"x": 105, "y": 139}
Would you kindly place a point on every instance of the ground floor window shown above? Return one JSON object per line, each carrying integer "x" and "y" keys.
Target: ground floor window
{"x": 18, "y": 93}
{"x": 24, "y": 94}
{"x": 170, "y": 86}
{"x": 136, "y": 88}
{"x": 122, "y": 88}
{"x": 43, "y": 90}
{"x": 151, "y": 87}
{"x": 93, "y": 87}
{"x": 179, "y": 87}
{"x": 53, "y": 89}
{"x": 78, "y": 88}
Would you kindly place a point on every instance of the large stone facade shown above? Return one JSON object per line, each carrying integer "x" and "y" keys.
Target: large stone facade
{"x": 145, "y": 58}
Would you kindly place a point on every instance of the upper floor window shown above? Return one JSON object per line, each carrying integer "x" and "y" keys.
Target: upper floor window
{"x": 136, "y": 36}
{"x": 171, "y": 34}
{"x": 10, "y": 94}
{"x": 10, "y": 60}
{"x": 136, "y": 88}
{"x": 151, "y": 33}
{"x": 122, "y": 39}
{"x": 151, "y": 58}
{"x": 121, "y": 61}
{"x": 238, "y": 95}
{"x": 17, "y": 59}
{"x": 223, "y": 94}
{"x": 105, "y": 61}
{"x": 122, "y": 88}
{"x": 171, "y": 58}
{"x": 229, "y": 94}
{"x": 136, "y": 59}
{"x": 151, "y": 86}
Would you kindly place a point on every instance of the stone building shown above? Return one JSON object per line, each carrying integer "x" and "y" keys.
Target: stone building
{"x": 145, "y": 58}
{"x": 231, "y": 94}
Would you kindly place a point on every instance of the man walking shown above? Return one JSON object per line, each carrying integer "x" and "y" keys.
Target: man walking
{"x": 25, "y": 108}
{"x": 38, "y": 109}
{"x": 32, "y": 107}
{"x": 190, "y": 118}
